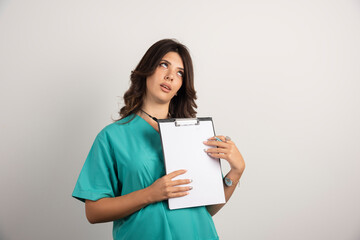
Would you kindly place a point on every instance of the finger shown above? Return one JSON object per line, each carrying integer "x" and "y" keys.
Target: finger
{"x": 217, "y": 155}
{"x": 179, "y": 194}
{"x": 222, "y": 138}
{"x": 215, "y": 143}
{"x": 180, "y": 182}
{"x": 176, "y": 173}
{"x": 180, "y": 189}
{"x": 216, "y": 150}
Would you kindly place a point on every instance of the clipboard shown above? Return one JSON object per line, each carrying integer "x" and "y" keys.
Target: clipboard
{"x": 183, "y": 148}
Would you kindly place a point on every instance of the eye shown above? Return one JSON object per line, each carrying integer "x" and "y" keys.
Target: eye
{"x": 164, "y": 64}
{"x": 180, "y": 73}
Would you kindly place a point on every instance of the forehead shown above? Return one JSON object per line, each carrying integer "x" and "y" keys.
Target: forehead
{"x": 174, "y": 58}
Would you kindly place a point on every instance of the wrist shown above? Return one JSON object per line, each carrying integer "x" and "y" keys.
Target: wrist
{"x": 230, "y": 180}
{"x": 147, "y": 196}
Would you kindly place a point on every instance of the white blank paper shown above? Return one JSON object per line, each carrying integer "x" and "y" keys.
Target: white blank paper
{"x": 183, "y": 148}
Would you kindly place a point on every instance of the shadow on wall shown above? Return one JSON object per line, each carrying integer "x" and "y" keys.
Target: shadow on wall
{"x": 2, "y": 236}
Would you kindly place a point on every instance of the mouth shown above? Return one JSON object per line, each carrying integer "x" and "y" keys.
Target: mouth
{"x": 166, "y": 87}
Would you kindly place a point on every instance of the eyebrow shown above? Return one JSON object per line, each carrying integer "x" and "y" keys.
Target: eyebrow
{"x": 170, "y": 63}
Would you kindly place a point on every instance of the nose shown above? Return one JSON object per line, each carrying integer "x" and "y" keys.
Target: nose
{"x": 169, "y": 77}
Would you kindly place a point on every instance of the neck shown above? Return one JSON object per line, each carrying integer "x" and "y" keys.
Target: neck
{"x": 160, "y": 111}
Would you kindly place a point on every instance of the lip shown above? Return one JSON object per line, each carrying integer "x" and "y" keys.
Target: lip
{"x": 167, "y": 85}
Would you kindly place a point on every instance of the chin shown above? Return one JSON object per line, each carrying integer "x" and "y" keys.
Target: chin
{"x": 164, "y": 100}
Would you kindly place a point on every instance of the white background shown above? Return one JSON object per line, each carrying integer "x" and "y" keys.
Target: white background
{"x": 280, "y": 77}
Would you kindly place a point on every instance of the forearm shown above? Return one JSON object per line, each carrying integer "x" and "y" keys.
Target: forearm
{"x": 110, "y": 209}
{"x": 213, "y": 209}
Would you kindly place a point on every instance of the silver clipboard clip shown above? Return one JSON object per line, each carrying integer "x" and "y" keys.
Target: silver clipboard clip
{"x": 179, "y": 122}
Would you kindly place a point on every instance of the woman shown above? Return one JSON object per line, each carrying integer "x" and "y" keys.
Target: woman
{"x": 123, "y": 179}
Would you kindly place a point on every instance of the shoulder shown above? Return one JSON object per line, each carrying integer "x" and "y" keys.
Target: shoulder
{"x": 117, "y": 129}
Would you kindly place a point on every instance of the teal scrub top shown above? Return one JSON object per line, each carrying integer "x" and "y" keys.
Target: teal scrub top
{"x": 128, "y": 157}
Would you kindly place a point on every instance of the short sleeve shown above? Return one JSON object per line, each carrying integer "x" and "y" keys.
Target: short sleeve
{"x": 98, "y": 177}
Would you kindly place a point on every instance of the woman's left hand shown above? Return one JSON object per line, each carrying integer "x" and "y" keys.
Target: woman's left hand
{"x": 226, "y": 150}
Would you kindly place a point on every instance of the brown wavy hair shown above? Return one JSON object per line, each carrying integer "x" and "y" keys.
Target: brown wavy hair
{"x": 183, "y": 104}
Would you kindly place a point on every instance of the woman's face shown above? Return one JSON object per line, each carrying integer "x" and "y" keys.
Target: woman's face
{"x": 167, "y": 79}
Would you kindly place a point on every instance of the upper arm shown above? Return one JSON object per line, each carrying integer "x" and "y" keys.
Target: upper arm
{"x": 98, "y": 177}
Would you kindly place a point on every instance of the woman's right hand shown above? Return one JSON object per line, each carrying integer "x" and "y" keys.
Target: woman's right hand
{"x": 165, "y": 188}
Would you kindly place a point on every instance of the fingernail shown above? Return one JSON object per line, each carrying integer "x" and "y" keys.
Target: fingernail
{"x": 190, "y": 187}
{"x": 190, "y": 180}
{"x": 205, "y": 149}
